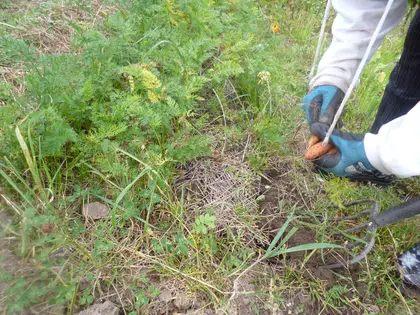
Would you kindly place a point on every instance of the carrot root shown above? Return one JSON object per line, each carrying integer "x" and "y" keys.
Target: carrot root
{"x": 313, "y": 140}
{"x": 317, "y": 150}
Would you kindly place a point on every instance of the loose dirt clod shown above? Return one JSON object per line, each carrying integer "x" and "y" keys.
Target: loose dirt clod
{"x": 95, "y": 210}
{"x": 47, "y": 228}
{"x": 106, "y": 308}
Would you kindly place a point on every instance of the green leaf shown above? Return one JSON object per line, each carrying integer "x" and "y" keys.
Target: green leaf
{"x": 125, "y": 191}
{"x": 15, "y": 187}
{"x": 280, "y": 233}
{"x": 305, "y": 247}
{"x": 88, "y": 90}
{"x": 203, "y": 223}
{"x": 288, "y": 236}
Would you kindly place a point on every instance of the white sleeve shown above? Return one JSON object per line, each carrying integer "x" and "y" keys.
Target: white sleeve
{"x": 352, "y": 30}
{"x": 396, "y": 147}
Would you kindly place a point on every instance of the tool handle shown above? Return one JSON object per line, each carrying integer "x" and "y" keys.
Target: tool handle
{"x": 398, "y": 213}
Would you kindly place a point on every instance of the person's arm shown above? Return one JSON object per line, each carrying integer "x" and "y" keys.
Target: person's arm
{"x": 396, "y": 147}
{"x": 352, "y": 30}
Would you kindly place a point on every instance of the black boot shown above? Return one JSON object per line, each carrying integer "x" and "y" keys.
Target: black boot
{"x": 409, "y": 265}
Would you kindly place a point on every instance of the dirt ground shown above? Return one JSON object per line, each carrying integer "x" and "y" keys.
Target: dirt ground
{"x": 217, "y": 183}
{"x": 175, "y": 298}
{"x": 280, "y": 184}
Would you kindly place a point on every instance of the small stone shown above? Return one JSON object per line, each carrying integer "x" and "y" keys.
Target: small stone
{"x": 373, "y": 309}
{"x": 106, "y": 308}
{"x": 183, "y": 302}
{"x": 95, "y": 210}
{"x": 246, "y": 301}
{"x": 261, "y": 198}
{"x": 165, "y": 296}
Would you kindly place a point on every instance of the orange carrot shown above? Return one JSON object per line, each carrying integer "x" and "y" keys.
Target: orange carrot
{"x": 317, "y": 150}
{"x": 313, "y": 140}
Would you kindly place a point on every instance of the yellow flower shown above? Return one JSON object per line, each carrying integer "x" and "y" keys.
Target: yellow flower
{"x": 263, "y": 76}
{"x": 275, "y": 28}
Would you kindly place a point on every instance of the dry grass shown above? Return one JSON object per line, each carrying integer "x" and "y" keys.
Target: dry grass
{"x": 226, "y": 186}
{"x": 51, "y": 31}
{"x": 12, "y": 76}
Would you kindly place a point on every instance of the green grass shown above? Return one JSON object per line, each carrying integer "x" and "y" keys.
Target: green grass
{"x": 116, "y": 101}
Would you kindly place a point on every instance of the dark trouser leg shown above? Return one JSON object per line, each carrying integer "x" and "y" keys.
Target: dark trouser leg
{"x": 403, "y": 90}
{"x": 410, "y": 264}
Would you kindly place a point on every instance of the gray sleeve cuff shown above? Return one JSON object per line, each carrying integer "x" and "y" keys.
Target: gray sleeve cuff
{"x": 329, "y": 80}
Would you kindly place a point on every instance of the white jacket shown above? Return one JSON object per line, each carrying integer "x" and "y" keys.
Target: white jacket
{"x": 396, "y": 147}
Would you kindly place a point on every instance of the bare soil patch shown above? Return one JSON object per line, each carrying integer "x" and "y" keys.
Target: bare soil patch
{"x": 227, "y": 187}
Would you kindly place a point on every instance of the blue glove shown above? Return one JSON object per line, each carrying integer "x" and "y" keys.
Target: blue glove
{"x": 321, "y": 103}
{"x": 350, "y": 160}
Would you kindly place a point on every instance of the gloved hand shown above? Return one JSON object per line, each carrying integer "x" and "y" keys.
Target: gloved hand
{"x": 350, "y": 160}
{"x": 321, "y": 104}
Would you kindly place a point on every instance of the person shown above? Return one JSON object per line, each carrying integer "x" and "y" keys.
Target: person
{"x": 392, "y": 146}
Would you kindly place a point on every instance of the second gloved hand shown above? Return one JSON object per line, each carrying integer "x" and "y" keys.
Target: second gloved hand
{"x": 321, "y": 103}
{"x": 350, "y": 160}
